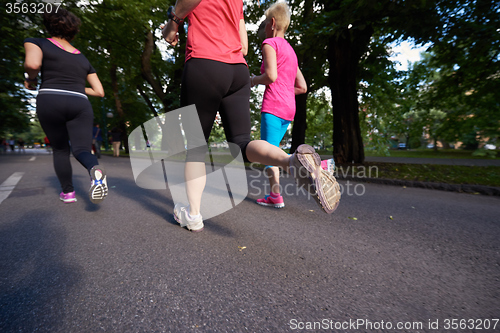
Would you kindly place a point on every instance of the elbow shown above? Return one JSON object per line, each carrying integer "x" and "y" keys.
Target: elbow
{"x": 98, "y": 93}
{"x": 244, "y": 50}
{"x": 32, "y": 66}
{"x": 273, "y": 77}
{"x": 300, "y": 88}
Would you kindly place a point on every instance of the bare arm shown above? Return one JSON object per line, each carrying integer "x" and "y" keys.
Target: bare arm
{"x": 300, "y": 83}
{"x": 243, "y": 37}
{"x": 270, "y": 67}
{"x": 182, "y": 9}
{"x": 96, "y": 88}
{"x": 32, "y": 64}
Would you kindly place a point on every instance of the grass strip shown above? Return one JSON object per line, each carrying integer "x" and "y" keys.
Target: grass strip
{"x": 447, "y": 174}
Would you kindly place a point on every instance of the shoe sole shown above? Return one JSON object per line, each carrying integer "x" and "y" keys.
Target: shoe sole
{"x": 328, "y": 193}
{"x": 99, "y": 191}
{"x": 311, "y": 161}
{"x": 68, "y": 200}
{"x": 326, "y": 189}
{"x": 278, "y": 205}
{"x": 176, "y": 218}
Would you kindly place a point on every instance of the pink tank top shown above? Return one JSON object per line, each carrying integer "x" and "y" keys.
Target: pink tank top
{"x": 279, "y": 97}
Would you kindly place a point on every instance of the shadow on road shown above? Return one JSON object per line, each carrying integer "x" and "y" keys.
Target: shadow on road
{"x": 34, "y": 277}
{"x": 158, "y": 202}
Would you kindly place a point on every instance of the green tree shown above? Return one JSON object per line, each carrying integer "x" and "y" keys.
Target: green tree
{"x": 466, "y": 52}
{"x": 139, "y": 84}
{"x": 350, "y": 27}
{"x": 381, "y": 102}
{"x": 319, "y": 120}
{"x": 14, "y": 100}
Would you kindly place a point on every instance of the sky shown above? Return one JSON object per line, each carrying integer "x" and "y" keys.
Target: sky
{"x": 404, "y": 52}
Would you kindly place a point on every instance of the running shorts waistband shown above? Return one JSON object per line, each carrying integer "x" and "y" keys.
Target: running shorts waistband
{"x": 61, "y": 92}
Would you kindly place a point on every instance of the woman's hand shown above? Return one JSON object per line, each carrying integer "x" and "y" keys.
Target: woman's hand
{"x": 252, "y": 82}
{"x": 30, "y": 84}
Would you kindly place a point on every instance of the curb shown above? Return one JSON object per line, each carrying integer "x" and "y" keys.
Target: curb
{"x": 462, "y": 188}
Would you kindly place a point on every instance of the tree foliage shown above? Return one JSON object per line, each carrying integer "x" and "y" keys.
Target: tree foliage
{"x": 14, "y": 100}
{"x": 466, "y": 55}
{"x": 319, "y": 120}
{"x": 341, "y": 44}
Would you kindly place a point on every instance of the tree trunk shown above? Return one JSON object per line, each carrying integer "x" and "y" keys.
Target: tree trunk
{"x": 118, "y": 103}
{"x": 344, "y": 53}
{"x": 299, "y": 122}
{"x": 171, "y": 137}
{"x": 114, "y": 86}
{"x": 146, "y": 71}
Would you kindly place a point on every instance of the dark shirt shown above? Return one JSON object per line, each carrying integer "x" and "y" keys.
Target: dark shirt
{"x": 96, "y": 130}
{"x": 116, "y": 136}
{"x": 62, "y": 69}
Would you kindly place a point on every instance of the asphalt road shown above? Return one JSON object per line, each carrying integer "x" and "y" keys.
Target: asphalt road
{"x": 390, "y": 259}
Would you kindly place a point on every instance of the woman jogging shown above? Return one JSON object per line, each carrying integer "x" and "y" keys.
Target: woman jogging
{"x": 216, "y": 78}
{"x": 283, "y": 80}
{"x": 62, "y": 105}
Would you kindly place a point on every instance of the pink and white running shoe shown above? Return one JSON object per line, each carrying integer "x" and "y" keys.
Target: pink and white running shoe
{"x": 328, "y": 165}
{"x": 68, "y": 197}
{"x": 269, "y": 201}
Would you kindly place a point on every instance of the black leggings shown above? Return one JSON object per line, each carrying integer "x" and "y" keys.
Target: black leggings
{"x": 67, "y": 118}
{"x": 215, "y": 86}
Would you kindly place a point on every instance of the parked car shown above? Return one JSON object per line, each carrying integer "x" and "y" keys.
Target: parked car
{"x": 401, "y": 145}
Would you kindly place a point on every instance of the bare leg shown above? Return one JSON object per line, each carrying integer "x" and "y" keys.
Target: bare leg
{"x": 273, "y": 174}
{"x": 265, "y": 153}
{"x": 257, "y": 151}
{"x": 196, "y": 178}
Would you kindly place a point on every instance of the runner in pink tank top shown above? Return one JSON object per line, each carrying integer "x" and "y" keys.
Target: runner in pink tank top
{"x": 283, "y": 80}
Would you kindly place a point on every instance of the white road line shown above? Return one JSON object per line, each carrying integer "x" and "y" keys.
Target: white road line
{"x": 32, "y": 159}
{"x": 8, "y": 185}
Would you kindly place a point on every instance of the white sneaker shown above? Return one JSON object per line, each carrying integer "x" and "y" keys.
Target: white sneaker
{"x": 181, "y": 216}
{"x": 98, "y": 184}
